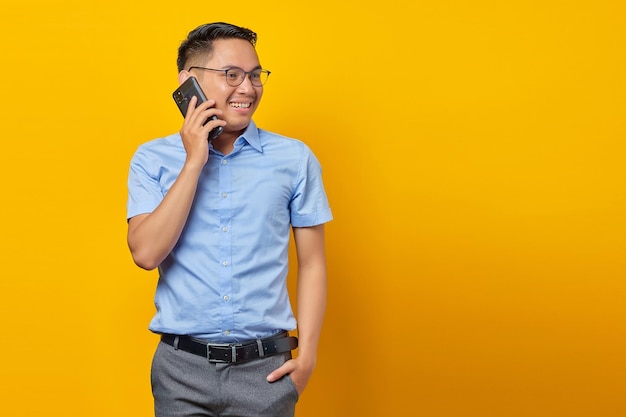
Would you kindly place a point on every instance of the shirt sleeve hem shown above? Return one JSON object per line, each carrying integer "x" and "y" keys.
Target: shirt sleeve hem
{"x": 313, "y": 219}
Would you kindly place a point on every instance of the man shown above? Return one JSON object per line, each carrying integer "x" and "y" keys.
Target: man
{"x": 215, "y": 218}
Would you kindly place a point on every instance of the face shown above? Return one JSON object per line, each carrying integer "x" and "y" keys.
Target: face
{"x": 238, "y": 104}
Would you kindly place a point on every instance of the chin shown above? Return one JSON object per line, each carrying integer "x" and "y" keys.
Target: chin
{"x": 238, "y": 124}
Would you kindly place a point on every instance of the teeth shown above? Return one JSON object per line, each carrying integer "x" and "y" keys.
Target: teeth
{"x": 240, "y": 105}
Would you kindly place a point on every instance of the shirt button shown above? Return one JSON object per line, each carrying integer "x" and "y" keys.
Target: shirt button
{"x": 226, "y": 332}
{"x": 224, "y": 195}
{"x": 225, "y": 263}
{"x": 224, "y": 161}
{"x": 224, "y": 229}
{"x": 226, "y": 298}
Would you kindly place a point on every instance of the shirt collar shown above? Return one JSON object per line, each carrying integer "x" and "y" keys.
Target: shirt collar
{"x": 251, "y": 135}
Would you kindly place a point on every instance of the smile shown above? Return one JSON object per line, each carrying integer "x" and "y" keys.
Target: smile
{"x": 240, "y": 105}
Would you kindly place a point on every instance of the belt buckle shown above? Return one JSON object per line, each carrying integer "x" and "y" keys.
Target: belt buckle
{"x": 233, "y": 352}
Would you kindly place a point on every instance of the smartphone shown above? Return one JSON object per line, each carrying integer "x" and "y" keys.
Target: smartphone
{"x": 183, "y": 94}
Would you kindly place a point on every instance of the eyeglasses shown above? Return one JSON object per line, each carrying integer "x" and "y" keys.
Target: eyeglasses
{"x": 236, "y": 76}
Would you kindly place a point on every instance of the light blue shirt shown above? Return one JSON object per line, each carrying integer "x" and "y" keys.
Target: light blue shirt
{"x": 225, "y": 280}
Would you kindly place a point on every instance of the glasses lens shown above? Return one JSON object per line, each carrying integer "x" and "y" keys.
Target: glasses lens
{"x": 259, "y": 77}
{"x": 235, "y": 76}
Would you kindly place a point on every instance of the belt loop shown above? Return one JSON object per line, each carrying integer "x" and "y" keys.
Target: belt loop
{"x": 260, "y": 346}
{"x": 176, "y": 339}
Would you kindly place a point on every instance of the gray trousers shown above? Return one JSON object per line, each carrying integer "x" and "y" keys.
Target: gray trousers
{"x": 187, "y": 385}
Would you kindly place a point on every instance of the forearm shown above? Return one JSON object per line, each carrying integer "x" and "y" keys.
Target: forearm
{"x": 152, "y": 237}
{"x": 311, "y": 309}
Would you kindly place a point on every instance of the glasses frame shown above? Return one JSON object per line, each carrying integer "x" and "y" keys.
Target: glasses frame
{"x": 245, "y": 74}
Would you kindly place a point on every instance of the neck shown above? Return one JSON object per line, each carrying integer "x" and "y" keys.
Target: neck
{"x": 226, "y": 141}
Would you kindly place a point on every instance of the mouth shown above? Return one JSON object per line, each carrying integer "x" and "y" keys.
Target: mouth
{"x": 238, "y": 105}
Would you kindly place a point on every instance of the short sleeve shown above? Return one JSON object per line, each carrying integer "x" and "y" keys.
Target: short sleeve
{"x": 309, "y": 205}
{"x": 144, "y": 190}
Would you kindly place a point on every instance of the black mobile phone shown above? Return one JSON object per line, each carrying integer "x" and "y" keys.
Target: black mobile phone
{"x": 183, "y": 94}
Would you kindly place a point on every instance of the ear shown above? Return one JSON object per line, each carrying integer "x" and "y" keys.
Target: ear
{"x": 183, "y": 76}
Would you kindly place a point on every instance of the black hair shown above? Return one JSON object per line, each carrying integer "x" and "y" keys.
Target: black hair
{"x": 200, "y": 40}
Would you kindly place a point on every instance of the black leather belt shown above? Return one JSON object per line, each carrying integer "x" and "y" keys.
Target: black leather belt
{"x": 233, "y": 352}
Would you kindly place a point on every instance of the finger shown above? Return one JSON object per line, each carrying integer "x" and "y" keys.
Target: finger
{"x": 213, "y": 124}
{"x": 203, "y": 112}
{"x": 195, "y": 108}
{"x": 191, "y": 106}
{"x": 287, "y": 368}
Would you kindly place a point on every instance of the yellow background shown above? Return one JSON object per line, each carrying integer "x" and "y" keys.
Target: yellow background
{"x": 473, "y": 153}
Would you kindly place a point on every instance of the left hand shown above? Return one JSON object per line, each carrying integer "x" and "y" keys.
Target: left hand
{"x": 298, "y": 369}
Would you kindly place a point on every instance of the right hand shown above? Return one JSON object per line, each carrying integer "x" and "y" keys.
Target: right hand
{"x": 194, "y": 134}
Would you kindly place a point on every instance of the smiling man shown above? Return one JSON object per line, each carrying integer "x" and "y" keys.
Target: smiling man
{"x": 215, "y": 218}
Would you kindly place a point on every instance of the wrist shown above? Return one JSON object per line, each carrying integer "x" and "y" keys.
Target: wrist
{"x": 193, "y": 167}
{"x": 307, "y": 359}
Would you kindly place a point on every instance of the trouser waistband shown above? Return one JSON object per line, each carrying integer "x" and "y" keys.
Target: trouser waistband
{"x": 233, "y": 352}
